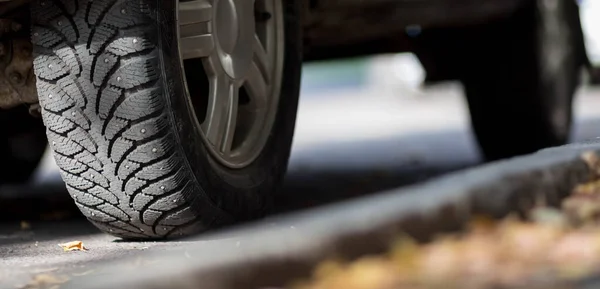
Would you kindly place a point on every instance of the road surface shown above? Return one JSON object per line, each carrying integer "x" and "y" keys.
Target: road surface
{"x": 348, "y": 143}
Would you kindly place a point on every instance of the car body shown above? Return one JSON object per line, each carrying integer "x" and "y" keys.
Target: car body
{"x": 334, "y": 29}
{"x": 345, "y": 28}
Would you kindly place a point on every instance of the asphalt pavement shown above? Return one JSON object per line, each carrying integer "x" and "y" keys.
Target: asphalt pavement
{"x": 348, "y": 143}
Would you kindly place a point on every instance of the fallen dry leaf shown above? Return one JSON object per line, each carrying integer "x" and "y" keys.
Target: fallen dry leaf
{"x": 45, "y": 281}
{"x": 551, "y": 245}
{"x": 591, "y": 188}
{"x": 73, "y": 246}
{"x": 583, "y": 205}
{"x": 25, "y": 225}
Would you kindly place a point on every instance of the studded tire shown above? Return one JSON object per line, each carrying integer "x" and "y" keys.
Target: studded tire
{"x": 111, "y": 91}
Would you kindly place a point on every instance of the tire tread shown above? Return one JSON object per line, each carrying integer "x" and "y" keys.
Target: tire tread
{"x": 107, "y": 118}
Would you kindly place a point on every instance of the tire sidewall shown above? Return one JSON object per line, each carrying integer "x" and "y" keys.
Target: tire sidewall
{"x": 556, "y": 37}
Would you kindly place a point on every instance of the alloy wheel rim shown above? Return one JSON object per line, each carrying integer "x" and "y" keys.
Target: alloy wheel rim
{"x": 232, "y": 56}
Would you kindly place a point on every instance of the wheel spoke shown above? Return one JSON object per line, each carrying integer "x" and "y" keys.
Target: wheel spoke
{"x": 257, "y": 81}
{"x": 261, "y": 60}
{"x": 196, "y": 41}
{"x": 235, "y": 44}
{"x": 197, "y": 11}
{"x": 222, "y": 112}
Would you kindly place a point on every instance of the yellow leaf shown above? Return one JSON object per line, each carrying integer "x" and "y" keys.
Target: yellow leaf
{"x": 25, "y": 225}
{"x": 73, "y": 246}
{"x": 44, "y": 281}
{"x": 328, "y": 268}
{"x": 481, "y": 223}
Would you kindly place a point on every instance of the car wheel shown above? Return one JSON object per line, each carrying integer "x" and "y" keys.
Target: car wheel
{"x": 168, "y": 118}
{"x": 520, "y": 77}
{"x": 22, "y": 145}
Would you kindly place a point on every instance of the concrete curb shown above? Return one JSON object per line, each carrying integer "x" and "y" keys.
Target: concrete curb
{"x": 279, "y": 250}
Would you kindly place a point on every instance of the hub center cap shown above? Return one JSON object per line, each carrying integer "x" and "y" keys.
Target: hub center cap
{"x": 234, "y": 32}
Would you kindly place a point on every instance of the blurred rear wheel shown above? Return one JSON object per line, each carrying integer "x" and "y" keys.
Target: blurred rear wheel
{"x": 520, "y": 77}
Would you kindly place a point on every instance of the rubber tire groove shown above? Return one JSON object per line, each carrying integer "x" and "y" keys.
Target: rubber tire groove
{"x": 132, "y": 71}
